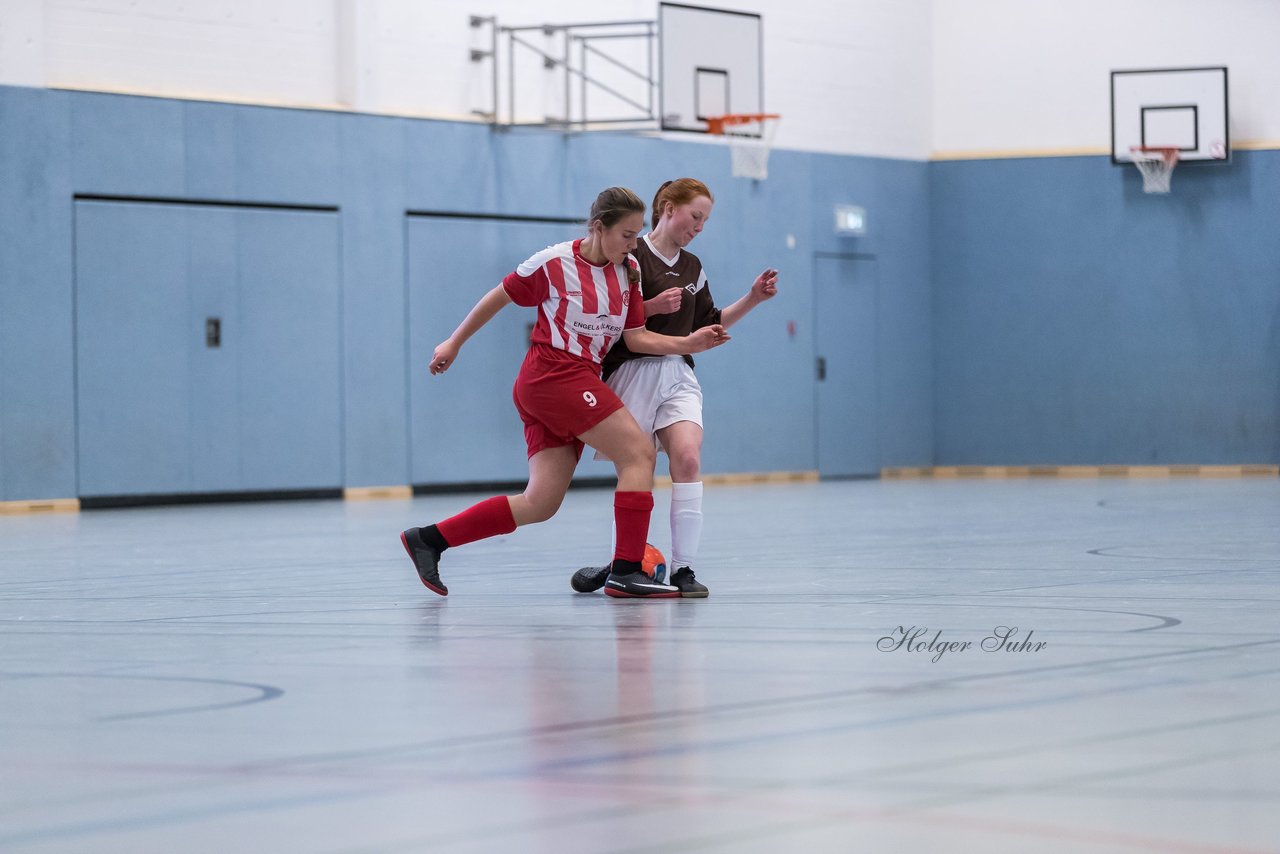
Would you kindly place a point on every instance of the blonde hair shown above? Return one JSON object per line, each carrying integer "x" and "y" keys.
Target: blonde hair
{"x": 681, "y": 191}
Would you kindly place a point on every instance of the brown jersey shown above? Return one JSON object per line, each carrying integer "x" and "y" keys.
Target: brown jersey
{"x": 657, "y": 274}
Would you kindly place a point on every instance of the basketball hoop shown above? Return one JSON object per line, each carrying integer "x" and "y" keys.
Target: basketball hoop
{"x": 750, "y": 137}
{"x": 1156, "y": 164}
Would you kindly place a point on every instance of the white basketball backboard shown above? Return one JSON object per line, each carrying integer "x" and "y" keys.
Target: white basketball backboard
{"x": 710, "y": 64}
{"x": 1182, "y": 108}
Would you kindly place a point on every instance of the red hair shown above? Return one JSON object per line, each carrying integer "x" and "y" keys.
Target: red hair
{"x": 681, "y": 191}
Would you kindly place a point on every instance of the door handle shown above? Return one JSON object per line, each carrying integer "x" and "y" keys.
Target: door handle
{"x": 822, "y": 369}
{"x": 213, "y": 332}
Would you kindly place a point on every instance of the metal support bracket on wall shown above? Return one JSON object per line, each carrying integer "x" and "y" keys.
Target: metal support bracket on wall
{"x": 572, "y": 53}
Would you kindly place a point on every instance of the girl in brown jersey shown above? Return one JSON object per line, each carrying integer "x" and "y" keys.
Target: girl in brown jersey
{"x": 662, "y": 392}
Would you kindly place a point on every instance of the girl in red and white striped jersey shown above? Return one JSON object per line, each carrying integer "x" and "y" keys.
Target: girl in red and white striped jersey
{"x": 587, "y": 292}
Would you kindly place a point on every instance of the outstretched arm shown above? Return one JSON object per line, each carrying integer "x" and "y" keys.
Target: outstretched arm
{"x": 642, "y": 340}
{"x": 764, "y": 287}
{"x": 489, "y": 305}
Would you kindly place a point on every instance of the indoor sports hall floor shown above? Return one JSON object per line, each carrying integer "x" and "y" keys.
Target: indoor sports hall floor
{"x": 273, "y": 677}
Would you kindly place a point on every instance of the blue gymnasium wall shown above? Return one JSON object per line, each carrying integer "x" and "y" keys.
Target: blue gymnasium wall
{"x": 55, "y": 146}
{"x": 1078, "y": 320}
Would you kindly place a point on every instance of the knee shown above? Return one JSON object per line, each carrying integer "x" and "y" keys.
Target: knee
{"x": 686, "y": 465}
{"x": 540, "y": 509}
{"x": 646, "y": 454}
{"x": 640, "y": 458}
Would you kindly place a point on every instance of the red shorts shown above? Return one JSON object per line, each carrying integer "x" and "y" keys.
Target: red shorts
{"x": 560, "y": 397}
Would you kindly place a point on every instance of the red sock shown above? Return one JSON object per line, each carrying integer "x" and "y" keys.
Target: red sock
{"x": 486, "y": 519}
{"x": 631, "y": 517}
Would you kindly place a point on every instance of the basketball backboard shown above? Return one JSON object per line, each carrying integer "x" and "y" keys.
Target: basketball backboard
{"x": 710, "y": 65}
{"x": 1182, "y": 108}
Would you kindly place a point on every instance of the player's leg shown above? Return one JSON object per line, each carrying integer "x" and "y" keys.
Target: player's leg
{"x": 683, "y": 443}
{"x": 636, "y": 383}
{"x": 679, "y": 429}
{"x": 631, "y": 449}
{"x": 550, "y": 471}
{"x": 488, "y": 518}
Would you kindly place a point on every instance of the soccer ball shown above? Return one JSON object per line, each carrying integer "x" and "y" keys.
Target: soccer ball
{"x": 654, "y": 563}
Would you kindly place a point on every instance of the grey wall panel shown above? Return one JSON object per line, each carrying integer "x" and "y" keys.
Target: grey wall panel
{"x": 37, "y": 397}
{"x": 375, "y": 415}
{"x": 162, "y": 411}
{"x": 134, "y": 330}
{"x": 290, "y": 351}
{"x": 1082, "y": 321}
{"x": 122, "y": 145}
{"x": 760, "y": 406}
{"x": 464, "y": 426}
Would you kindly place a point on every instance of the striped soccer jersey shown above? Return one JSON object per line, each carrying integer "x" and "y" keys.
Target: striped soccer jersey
{"x": 582, "y": 308}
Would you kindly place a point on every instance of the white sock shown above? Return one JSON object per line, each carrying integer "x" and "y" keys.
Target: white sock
{"x": 686, "y": 523}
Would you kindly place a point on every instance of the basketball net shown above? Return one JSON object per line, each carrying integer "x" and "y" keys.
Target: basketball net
{"x": 1156, "y": 166}
{"x": 750, "y": 138}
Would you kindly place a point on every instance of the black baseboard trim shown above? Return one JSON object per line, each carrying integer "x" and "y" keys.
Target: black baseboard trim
{"x": 506, "y": 486}
{"x": 108, "y": 502}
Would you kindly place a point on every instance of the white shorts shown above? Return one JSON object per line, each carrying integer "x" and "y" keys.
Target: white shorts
{"x": 658, "y": 391}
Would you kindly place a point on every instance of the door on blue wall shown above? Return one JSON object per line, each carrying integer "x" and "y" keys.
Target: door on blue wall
{"x": 207, "y": 349}
{"x": 845, "y": 365}
{"x": 463, "y": 425}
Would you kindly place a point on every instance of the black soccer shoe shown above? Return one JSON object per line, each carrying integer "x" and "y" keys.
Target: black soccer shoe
{"x": 426, "y": 559}
{"x": 590, "y": 578}
{"x": 637, "y": 585}
{"x": 689, "y": 587}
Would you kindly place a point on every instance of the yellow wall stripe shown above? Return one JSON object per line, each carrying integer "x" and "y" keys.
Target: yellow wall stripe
{"x": 1092, "y": 151}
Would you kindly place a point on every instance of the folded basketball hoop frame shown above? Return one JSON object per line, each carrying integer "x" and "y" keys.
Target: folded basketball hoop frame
{"x": 573, "y": 48}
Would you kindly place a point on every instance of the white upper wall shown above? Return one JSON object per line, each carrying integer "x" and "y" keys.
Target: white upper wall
{"x": 278, "y": 52}
{"x": 1024, "y": 76}
{"x": 887, "y": 78}
{"x": 849, "y": 76}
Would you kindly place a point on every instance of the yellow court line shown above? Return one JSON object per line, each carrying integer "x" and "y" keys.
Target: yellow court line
{"x": 949, "y": 472}
{"x": 741, "y": 478}
{"x": 404, "y": 493}
{"x": 377, "y": 493}
{"x": 45, "y": 505}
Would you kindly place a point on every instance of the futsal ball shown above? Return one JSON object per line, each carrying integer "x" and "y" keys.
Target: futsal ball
{"x": 654, "y": 563}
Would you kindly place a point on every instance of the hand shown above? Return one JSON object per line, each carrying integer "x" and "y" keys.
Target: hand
{"x": 707, "y": 337}
{"x": 765, "y": 286}
{"x": 443, "y": 357}
{"x": 665, "y": 302}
